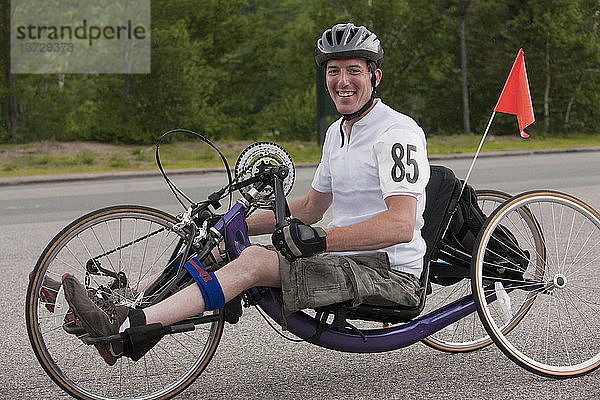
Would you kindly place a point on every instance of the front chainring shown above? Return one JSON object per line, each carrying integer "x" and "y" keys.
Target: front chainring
{"x": 255, "y": 158}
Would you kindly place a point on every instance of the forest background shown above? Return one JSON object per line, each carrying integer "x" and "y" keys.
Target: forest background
{"x": 244, "y": 70}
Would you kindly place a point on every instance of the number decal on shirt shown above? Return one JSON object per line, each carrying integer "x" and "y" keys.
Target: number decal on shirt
{"x": 399, "y": 169}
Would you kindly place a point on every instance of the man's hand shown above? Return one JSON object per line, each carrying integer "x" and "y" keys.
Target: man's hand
{"x": 299, "y": 240}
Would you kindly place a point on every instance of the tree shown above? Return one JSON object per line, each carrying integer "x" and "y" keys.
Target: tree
{"x": 8, "y": 95}
{"x": 562, "y": 38}
{"x": 242, "y": 69}
{"x": 463, "y": 11}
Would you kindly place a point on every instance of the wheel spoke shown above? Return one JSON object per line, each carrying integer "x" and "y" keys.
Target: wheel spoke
{"x": 137, "y": 242}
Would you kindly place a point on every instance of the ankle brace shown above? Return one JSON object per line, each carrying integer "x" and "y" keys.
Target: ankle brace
{"x": 137, "y": 317}
{"x": 211, "y": 290}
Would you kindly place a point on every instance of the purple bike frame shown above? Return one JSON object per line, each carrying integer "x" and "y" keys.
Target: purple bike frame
{"x": 233, "y": 228}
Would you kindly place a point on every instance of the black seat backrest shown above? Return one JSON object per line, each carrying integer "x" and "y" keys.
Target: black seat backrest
{"x": 441, "y": 196}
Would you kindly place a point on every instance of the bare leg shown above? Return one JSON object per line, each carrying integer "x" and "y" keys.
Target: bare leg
{"x": 144, "y": 283}
{"x": 256, "y": 266}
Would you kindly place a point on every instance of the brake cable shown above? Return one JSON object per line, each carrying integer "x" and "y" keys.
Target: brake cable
{"x": 178, "y": 193}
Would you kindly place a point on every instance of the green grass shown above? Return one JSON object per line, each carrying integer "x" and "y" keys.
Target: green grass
{"x": 86, "y": 157}
{"x": 468, "y": 144}
{"x": 7, "y": 167}
{"x": 38, "y": 159}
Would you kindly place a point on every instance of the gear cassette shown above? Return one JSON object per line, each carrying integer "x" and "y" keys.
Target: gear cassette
{"x": 255, "y": 158}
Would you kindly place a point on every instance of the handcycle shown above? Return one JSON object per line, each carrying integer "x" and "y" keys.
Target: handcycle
{"x": 531, "y": 276}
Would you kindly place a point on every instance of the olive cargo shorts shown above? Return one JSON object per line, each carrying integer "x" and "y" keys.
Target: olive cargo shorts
{"x": 326, "y": 279}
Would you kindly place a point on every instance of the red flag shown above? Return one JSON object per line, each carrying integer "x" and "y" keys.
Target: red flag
{"x": 515, "y": 97}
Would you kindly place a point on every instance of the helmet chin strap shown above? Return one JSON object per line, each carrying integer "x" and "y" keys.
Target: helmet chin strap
{"x": 348, "y": 117}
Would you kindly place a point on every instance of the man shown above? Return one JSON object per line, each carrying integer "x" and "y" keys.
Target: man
{"x": 373, "y": 172}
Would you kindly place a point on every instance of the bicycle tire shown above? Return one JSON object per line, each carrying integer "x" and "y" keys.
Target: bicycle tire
{"x": 557, "y": 337}
{"x": 138, "y": 241}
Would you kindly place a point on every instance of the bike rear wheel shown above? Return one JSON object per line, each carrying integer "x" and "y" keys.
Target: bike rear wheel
{"x": 466, "y": 334}
{"x": 559, "y": 287}
{"x": 128, "y": 241}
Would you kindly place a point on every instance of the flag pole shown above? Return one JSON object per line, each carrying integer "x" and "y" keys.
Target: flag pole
{"x": 487, "y": 128}
{"x": 515, "y": 98}
{"x": 478, "y": 150}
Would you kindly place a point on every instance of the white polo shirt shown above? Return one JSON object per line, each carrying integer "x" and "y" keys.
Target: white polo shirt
{"x": 385, "y": 155}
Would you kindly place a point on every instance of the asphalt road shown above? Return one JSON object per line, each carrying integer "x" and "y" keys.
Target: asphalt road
{"x": 252, "y": 360}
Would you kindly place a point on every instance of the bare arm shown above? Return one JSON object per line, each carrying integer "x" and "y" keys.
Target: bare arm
{"x": 393, "y": 226}
{"x": 308, "y": 209}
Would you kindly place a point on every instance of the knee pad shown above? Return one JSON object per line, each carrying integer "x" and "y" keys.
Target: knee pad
{"x": 208, "y": 284}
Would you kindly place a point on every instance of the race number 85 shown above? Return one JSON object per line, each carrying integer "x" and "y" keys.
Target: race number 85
{"x": 399, "y": 167}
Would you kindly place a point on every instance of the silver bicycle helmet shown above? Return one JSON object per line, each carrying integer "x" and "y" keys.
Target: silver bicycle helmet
{"x": 348, "y": 40}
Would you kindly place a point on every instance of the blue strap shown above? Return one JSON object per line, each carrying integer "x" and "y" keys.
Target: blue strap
{"x": 207, "y": 282}
{"x": 176, "y": 262}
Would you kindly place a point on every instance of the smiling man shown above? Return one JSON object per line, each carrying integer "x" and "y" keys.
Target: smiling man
{"x": 376, "y": 167}
{"x": 373, "y": 174}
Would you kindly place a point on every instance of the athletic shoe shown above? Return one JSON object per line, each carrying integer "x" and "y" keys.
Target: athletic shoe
{"x": 48, "y": 293}
{"x": 98, "y": 316}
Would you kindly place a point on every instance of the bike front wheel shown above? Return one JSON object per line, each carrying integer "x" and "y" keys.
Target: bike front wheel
{"x": 556, "y": 284}
{"x": 133, "y": 244}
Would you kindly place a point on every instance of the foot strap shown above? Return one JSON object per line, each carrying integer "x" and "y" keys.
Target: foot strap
{"x": 140, "y": 339}
{"x": 208, "y": 284}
